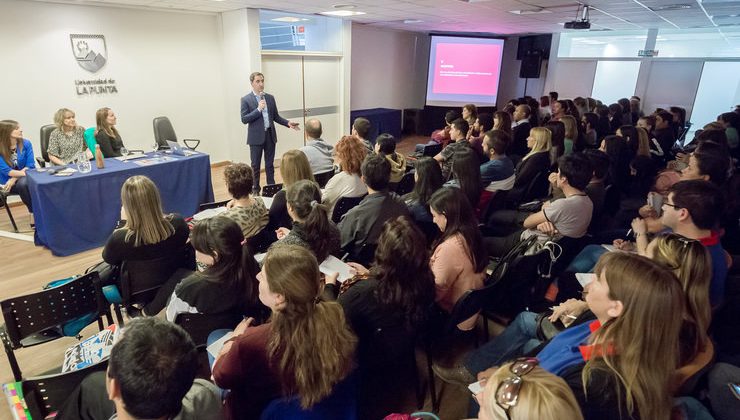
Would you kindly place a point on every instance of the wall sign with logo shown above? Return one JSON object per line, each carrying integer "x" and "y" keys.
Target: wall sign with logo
{"x": 91, "y": 54}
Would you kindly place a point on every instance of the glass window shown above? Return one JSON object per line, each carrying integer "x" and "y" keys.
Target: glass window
{"x": 615, "y": 80}
{"x": 595, "y": 44}
{"x": 719, "y": 92}
{"x": 295, "y": 32}
{"x": 719, "y": 42}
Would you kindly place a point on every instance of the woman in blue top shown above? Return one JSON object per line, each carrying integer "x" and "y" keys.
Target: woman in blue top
{"x": 16, "y": 156}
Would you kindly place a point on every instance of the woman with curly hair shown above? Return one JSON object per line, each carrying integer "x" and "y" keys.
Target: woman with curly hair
{"x": 248, "y": 211}
{"x": 348, "y": 154}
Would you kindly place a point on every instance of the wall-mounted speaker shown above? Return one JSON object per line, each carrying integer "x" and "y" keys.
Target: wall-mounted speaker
{"x": 530, "y": 65}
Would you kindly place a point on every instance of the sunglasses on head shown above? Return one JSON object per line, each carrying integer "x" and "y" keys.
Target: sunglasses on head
{"x": 507, "y": 393}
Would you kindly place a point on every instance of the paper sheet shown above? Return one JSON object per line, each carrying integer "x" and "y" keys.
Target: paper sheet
{"x": 215, "y": 348}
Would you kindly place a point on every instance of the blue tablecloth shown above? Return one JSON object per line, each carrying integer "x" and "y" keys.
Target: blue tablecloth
{"x": 78, "y": 212}
{"x": 383, "y": 120}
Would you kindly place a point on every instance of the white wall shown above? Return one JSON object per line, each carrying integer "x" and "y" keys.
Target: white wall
{"x": 164, "y": 63}
{"x": 389, "y": 68}
{"x": 511, "y": 86}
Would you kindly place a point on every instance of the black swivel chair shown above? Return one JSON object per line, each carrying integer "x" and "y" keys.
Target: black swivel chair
{"x": 163, "y": 131}
{"x": 199, "y": 326}
{"x": 344, "y": 205}
{"x": 431, "y": 150}
{"x": 323, "y": 178}
{"x": 4, "y": 203}
{"x": 271, "y": 189}
{"x": 44, "y": 140}
{"x": 406, "y": 184}
{"x": 38, "y": 317}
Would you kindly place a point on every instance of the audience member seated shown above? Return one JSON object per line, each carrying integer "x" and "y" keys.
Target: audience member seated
{"x": 521, "y": 390}
{"x": 483, "y": 124}
{"x": 362, "y": 224}
{"x": 151, "y": 375}
{"x": 458, "y": 132}
{"x": 148, "y": 233}
{"x": 106, "y": 134}
{"x": 67, "y": 141}
{"x": 459, "y": 259}
{"x": 536, "y": 161}
{"x": 643, "y": 142}
{"x": 294, "y": 167}
{"x": 558, "y": 110}
{"x": 621, "y": 365}
{"x": 581, "y": 105}
{"x": 520, "y": 129}
{"x": 569, "y": 216}
{"x": 466, "y": 175}
{"x": 361, "y": 129}
{"x": 596, "y": 188}
{"x": 664, "y": 134}
{"x": 619, "y": 159}
{"x": 249, "y": 212}
{"x": 385, "y": 145}
{"x": 498, "y": 173}
{"x": 16, "y": 157}
{"x": 603, "y": 128}
{"x": 443, "y": 136}
{"x": 730, "y": 121}
{"x": 312, "y": 228}
{"x": 427, "y": 180}
{"x": 638, "y": 185}
{"x": 469, "y": 114}
{"x": 304, "y": 352}
{"x": 319, "y": 153}
{"x": 557, "y": 140}
{"x": 348, "y": 155}
{"x": 544, "y": 108}
{"x": 692, "y": 210}
{"x": 387, "y": 306}
{"x": 589, "y": 122}
{"x": 228, "y": 285}
{"x": 571, "y": 134}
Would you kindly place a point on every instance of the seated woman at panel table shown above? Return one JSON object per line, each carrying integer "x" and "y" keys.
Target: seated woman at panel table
{"x": 312, "y": 228}
{"x": 148, "y": 233}
{"x": 228, "y": 285}
{"x": 305, "y": 353}
{"x": 249, "y": 212}
{"x": 16, "y": 156}
{"x": 106, "y": 133}
{"x": 294, "y": 166}
{"x": 67, "y": 141}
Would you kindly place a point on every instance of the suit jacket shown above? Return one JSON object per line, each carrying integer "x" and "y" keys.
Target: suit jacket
{"x": 519, "y": 136}
{"x": 253, "y": 116}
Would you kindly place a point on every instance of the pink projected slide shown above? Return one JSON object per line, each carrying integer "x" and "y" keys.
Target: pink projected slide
{"x": 467, "y": 69}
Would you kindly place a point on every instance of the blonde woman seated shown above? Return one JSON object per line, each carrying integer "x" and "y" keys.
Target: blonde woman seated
{"x": 67, "y": 141}
{"x": 522, "y": 390}
{"x": 349, "y": 154}
{"x": 294, "y": 166}
{"x": 248, "y": 211}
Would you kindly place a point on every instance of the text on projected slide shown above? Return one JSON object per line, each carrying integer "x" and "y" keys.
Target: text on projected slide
{"x": 467, "y": 69}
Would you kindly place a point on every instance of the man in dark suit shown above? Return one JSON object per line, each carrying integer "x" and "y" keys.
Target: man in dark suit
{"x": 260, "y": 112}
{"x": 520, "y": 131}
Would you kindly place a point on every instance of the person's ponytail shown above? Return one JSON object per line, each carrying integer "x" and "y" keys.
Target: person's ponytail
{"x": 318, "y": 228}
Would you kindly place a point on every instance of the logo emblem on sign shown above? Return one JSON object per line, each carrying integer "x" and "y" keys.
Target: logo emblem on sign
{"x": 89, "y": 51}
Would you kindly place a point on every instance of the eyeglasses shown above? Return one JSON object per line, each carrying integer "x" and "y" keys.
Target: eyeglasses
{"x": 672, "y": 205}
{"x": 507, "y": 393}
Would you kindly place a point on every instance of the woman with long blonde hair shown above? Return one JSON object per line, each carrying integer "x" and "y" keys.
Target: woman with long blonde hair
{"x": 106, "y": 134}
{"x": 535, "y": 162}
{"x": 304, "y": 352}
{"x": 294, "y": 167}
{"x": 571, "y": 133}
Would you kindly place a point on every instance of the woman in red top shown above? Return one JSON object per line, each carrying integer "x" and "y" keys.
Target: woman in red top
{"x": 304, "y": 351}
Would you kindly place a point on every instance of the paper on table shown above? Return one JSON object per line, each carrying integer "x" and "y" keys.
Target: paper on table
{"x": 215, "y": 348}
{"x": 330, "y": 265}
{"x": 585, "y": 278}
{"x": 208, "y": 213}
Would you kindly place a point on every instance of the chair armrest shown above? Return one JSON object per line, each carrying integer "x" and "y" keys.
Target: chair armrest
{"x": 197, "y": 143}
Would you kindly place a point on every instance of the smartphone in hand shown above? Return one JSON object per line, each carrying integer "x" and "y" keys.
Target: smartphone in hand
{"x": 735, "y": 389}
{"x": 655, "y": 201}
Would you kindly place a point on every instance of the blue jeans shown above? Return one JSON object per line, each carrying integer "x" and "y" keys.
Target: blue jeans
{"x": 519, "y": 338}
{"x": 586, "y": 260}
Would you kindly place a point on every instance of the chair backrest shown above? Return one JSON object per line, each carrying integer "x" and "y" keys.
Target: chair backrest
{"x": 323, "y": 178}
{"x": 31, "y": 314}
{"x": 44, "y": 135}
{"x": 340, "y": 404}
{"x": 45, "y": 395}
{"x": 406, "y": 184}
{"x": 200, "y": 325}
{"x": 271, "y": 189}
{"x": 470, "y": 303}
{"x": 261, "y": 241}
{"x": 163, "y": 131}
{"x": 537, "y": 187}
{"x": 90, "y": 141}
{"x": 344, "y": 205}
{"x": 213, "y": 205}
{"x": 432, "y": 150}
{"x": 140, "y": 279}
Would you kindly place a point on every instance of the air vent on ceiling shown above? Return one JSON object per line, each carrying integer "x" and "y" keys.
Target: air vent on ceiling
{"x": 667, "y": 7}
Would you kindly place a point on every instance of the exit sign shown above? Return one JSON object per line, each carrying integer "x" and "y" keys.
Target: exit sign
{"x": 647, "y": 53}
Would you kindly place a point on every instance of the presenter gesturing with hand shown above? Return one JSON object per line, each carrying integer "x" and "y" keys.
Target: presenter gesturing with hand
{"x": 259, "y": 111}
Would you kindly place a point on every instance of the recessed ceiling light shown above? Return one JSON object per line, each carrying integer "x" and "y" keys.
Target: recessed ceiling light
{"x": 289, "y": 19}
{"x": 342, "y": 13}
{"x": 410, "y": 21}
{"x": 344, "y": 6}
{"x": 530, "y": 11}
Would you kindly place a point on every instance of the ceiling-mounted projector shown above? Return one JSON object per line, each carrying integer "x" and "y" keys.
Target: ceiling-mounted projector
{"x": 582, "y": 23}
